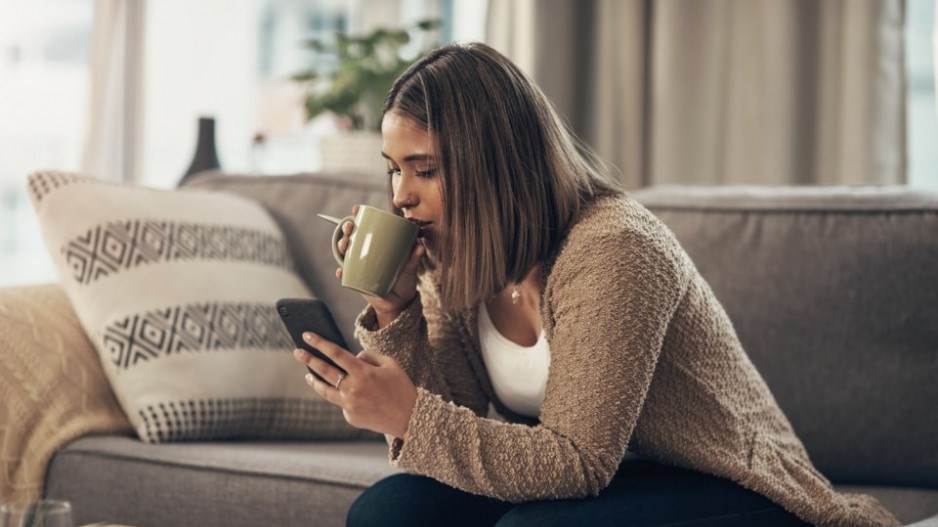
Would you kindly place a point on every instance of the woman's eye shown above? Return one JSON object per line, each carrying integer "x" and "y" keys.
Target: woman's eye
{"x": 423, "y": 174}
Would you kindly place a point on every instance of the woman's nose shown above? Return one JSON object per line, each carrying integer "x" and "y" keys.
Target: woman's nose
{"x": 404, "y": 195}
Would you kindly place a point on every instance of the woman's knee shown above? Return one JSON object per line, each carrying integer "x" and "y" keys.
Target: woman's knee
{"x": 524, "y": 517}
{"x": 386, "y": 501}
{"x": 414, "y": 500}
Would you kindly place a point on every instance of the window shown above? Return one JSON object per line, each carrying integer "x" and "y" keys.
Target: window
{"x": 230, "y": 60}
{"x": 236, "y": 68}
{"x": 922, "y": 112}
{"x": 44, "y": 83}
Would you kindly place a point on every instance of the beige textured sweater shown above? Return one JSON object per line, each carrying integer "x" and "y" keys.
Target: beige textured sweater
{"x": 643, "y": 356}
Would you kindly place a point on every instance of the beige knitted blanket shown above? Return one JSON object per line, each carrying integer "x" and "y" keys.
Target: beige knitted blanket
{"x": 52, "y": 387}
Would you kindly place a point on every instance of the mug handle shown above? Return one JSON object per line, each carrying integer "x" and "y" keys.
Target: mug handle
{"x": 336, "y": 236}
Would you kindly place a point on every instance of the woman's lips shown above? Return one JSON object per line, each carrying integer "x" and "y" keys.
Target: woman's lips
{"x": 424, "y": 231}
{"x": 423, "y": 225}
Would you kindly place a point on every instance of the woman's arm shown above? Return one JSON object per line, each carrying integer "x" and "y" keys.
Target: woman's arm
{"x": 428, "y": 346}
{"x": 609, "y": 319}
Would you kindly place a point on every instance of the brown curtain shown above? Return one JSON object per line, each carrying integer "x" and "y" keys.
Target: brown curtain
{"x": 721, "y": 91}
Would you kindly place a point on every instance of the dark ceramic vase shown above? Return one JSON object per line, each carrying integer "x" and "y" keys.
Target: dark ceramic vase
{"x": 206, "y": 156}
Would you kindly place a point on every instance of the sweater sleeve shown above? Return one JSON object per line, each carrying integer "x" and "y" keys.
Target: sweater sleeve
{"x": 428, "y": 346}
{"x": 609, "y": 316}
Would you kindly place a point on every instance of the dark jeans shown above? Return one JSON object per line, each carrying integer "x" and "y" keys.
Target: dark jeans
{"x": 642, "y": 493}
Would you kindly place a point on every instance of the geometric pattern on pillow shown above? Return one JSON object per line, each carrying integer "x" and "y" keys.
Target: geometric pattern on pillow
{"x": 105, "y": 249}
{"x": 210, "y": 418}
{"x": 177, "y": 290}
{"x": 45, "y": 182}
{"x": 193, "y": 328}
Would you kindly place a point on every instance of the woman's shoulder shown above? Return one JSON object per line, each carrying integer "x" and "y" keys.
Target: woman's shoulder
{"x": 618, "y": 220}
{"x": 616, "y": 229}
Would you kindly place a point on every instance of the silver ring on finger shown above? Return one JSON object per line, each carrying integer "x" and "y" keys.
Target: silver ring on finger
{"x": 338, "y": 382}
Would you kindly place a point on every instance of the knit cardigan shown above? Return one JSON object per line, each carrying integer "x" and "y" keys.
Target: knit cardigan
{"x": 643, "y": 357}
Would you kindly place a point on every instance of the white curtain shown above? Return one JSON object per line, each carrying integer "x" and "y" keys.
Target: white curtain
{"x": 113, "y": 148}
{"x": 722, "y": 91}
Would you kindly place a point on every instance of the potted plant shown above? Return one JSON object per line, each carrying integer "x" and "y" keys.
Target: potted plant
{"x": 354, "y": 90}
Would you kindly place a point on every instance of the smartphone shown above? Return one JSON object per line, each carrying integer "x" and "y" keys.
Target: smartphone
{"x": 310, "y": 314}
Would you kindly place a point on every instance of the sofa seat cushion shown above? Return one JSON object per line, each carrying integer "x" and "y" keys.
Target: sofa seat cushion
{"x": 123, "y": 480}
{"x": 235, "y": 483}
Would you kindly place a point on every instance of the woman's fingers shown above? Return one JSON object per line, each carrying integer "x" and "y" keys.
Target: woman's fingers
{"x": 419, "y": 250}
{"x": 326, "y": 391}
{"x": 413, "y": 262}
{"x": 322, "y": 368}
{"x": 344, "y": 241}
{"x": 378, "y": 395}
{"x": 337, "y": 354}
{"x": 347, "y": 229}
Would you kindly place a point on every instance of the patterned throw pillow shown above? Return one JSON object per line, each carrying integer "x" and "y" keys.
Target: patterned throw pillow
{"x": 176, "y": 289}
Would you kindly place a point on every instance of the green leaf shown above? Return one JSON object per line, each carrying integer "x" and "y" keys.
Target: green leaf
{"x": 399, "y": 37}
{"x": 305, "y": 76}
{"x": 366, "y": 66}
{"x": 429, "y": 24}
{"x": 315, "y": 44}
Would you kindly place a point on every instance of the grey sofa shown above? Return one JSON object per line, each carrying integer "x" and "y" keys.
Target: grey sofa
{"x": 833, "y": 291}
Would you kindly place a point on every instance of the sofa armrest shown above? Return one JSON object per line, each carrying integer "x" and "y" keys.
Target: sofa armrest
{"x": 52, "y": 386}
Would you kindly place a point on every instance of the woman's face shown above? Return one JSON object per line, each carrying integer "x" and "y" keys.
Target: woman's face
{"x": 415, "y": 178}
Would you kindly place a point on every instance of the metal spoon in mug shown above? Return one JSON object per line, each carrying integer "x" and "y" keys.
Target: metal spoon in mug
{"x": 330, "y": 219}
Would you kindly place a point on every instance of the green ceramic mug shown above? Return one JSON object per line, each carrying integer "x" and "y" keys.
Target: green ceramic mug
{"x": 378, "y": 248}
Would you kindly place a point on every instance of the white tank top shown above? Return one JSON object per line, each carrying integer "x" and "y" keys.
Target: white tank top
{"x": 518, "y": 373}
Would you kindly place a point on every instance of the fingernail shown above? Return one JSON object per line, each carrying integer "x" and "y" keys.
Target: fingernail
{"x": 307, "y": 336}
{"x": 309, "y": 378}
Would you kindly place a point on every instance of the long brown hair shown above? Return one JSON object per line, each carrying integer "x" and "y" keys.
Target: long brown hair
{"x": 514, "y": 178}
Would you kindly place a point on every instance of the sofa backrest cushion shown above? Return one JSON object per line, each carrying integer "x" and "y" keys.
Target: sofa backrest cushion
{"x": 831, "y": 290}
{"x": 834, "y": 295}
{"x": 293, "y": 202}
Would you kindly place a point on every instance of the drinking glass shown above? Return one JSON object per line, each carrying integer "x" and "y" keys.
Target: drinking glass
{"x": 41, "y": 513}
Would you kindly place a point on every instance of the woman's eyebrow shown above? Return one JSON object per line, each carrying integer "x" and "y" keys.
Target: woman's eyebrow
{"x": 411, "y": 157}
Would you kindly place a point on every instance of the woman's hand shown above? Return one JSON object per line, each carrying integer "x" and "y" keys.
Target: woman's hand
{"x": 403, "y": 292}
{"x": 375, "y": 393}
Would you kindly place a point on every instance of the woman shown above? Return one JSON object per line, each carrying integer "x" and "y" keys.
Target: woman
{"x": 539, "y": 286}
